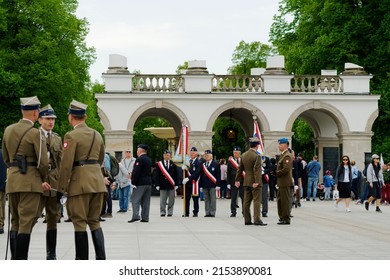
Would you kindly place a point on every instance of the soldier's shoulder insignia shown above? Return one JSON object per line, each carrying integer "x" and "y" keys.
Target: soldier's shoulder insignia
{"x": 66, "y": 144}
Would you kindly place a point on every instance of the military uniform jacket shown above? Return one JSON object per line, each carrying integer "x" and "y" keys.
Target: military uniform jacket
{"x": 251, "y": 164}
{"x": 231, "y": 174}
{"x": 87, "y": 178}
{"x": 215, "y": 170}
{"x": 141, "y": 175}
{"x": 194, "y": 170}
{"x": 284, "y": 171}
{"x": 161, "y": 179}
{"x": 33, "y": 146}
{"x": 54, "y": 145}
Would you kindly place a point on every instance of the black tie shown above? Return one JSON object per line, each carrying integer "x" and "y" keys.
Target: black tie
{"x": 207, "y": 164}
{"x": 167, "y": 164}
{"x": 191, "y": 161}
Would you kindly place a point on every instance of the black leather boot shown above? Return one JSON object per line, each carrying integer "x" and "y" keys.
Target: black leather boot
{"x": 81, "y": 242}
{"x": 22, "y": 246}
{"x": 98, "y": 243}
{"x": 51, "y": 244}
{"x": 12, "y": 242}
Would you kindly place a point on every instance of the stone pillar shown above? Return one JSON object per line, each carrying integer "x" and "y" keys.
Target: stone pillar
{"x": 118, "y": 78}
{"x": 119, "y": 140}
{"x": 355, "y": 79}
{"x": 202, "y": 140}
{"x": 270, "y": 141}
{"x": 355, "y": 144}
{"x": 197, "y": 78}
{"x": 276, "y": 79}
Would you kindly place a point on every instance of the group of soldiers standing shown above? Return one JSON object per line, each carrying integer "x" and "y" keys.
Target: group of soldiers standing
{"x": 44, "y": 173}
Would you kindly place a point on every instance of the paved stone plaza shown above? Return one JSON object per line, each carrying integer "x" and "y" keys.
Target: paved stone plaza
{"x": 318, "y": 232}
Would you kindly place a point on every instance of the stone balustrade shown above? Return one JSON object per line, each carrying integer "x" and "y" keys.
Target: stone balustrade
{"x": 273, "y": 80}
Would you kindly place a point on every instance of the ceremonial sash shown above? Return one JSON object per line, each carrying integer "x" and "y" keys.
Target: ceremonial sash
{"x": 165, "y": 173}
{"x": 218, "y": 193}
{"x": 235, "y": 165}
{"x": 195, "y": 185}
{"x": 209, "y": 175}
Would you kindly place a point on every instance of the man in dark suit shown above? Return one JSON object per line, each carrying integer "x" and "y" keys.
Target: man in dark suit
{"x": 141, "y": 178}
{"x": 232, "y": 167}
{"x": 82, "y": 181}
{"x": 266, "y": 170}
{"x": 49, "y": 200}
{"x": 166, "y": 183}
{"x": 284, "y": 182}
{"x": 251, "y": 165}
{"x": 210, "y": 182}
{"x": 25, "y": 153}
{"x": 3, "y": 183}
{"x": 191, "y": 183}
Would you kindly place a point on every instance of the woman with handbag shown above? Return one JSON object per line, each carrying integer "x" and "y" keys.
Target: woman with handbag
{"x": 343, "y": 182}
{"x": 376, "y": 182}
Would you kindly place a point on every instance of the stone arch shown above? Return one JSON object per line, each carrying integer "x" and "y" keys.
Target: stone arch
{"x": 175, "y": 113}
{"x": 104, "y": 119}
{"x": 334, "y": 113}
{"x": 371, "y": 120}
{"x": 239, "y": 104}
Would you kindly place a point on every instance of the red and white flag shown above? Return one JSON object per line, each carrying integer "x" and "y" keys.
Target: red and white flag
{"x": 181, "y": 154}
{"x": 256, "y": 133}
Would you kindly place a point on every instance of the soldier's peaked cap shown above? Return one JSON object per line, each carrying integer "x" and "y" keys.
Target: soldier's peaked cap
{"x": 143, "y": 146}
{"x": 30, "y": 103}
{"x": 236, "y": 148}
{"x": 208, "y": 152}
{"x": 254, "y": 140}
{"x": 167, "y": 152}
{"x": 47, "y": 112}
{"x": 77, "y": 108}
{"x": 193, "y": 149}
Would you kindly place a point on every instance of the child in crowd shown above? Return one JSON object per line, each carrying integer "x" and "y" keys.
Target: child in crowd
{"x": 328, "y": 184}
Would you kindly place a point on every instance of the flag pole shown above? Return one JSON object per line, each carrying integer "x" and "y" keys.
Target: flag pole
{"x": 183, "y": 146}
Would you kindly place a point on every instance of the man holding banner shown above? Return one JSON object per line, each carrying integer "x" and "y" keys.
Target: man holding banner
{"x": 166, "y": 183}
{"x": 191, "y": 183}
{"x": 210, "y": 182}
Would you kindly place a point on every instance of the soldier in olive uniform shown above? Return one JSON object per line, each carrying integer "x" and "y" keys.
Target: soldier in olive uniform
{"x": 251, "y": 164}
{"x": 24, "y": 152}
{"x": 49, "y": 200}
{"x": 284, "y": 182}
{"x": 82, "y": 181}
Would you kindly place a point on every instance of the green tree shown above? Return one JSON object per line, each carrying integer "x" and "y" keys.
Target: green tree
{"x": 222, "y": 144}
{"x": 249, "y": 55}
{"x": 43, "y": 53}
{"x": 302, "y": 140}
{"x": 141, "y": 136}
{"x": 315, "y": 35}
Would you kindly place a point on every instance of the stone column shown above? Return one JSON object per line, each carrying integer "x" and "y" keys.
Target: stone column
{"x": 355, "y": 144}
{"x": 270, "y": 141}
{"x": 197, "y": 78}
{"x": 355, "y": 79}
{"x": 118, "y": 78}
{"x": 119, "y": 140}
{"x": 202, "y": 140}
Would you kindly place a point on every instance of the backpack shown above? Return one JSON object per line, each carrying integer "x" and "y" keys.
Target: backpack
{"x": 114, "y": 166}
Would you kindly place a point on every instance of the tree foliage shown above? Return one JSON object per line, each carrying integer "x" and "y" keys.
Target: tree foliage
{"x": 315, "y": 35}
{"x": 142, "y": 136}
{"x": 249, "y": 55}
{"x": 222, "y": 145}
{"x": 43, "y": 53}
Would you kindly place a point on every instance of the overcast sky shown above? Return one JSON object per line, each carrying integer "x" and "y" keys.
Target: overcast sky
{"x": 156, "y": 36}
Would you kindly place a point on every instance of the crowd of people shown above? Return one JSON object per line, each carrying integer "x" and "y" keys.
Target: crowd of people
{"x": 42, "y": 174}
